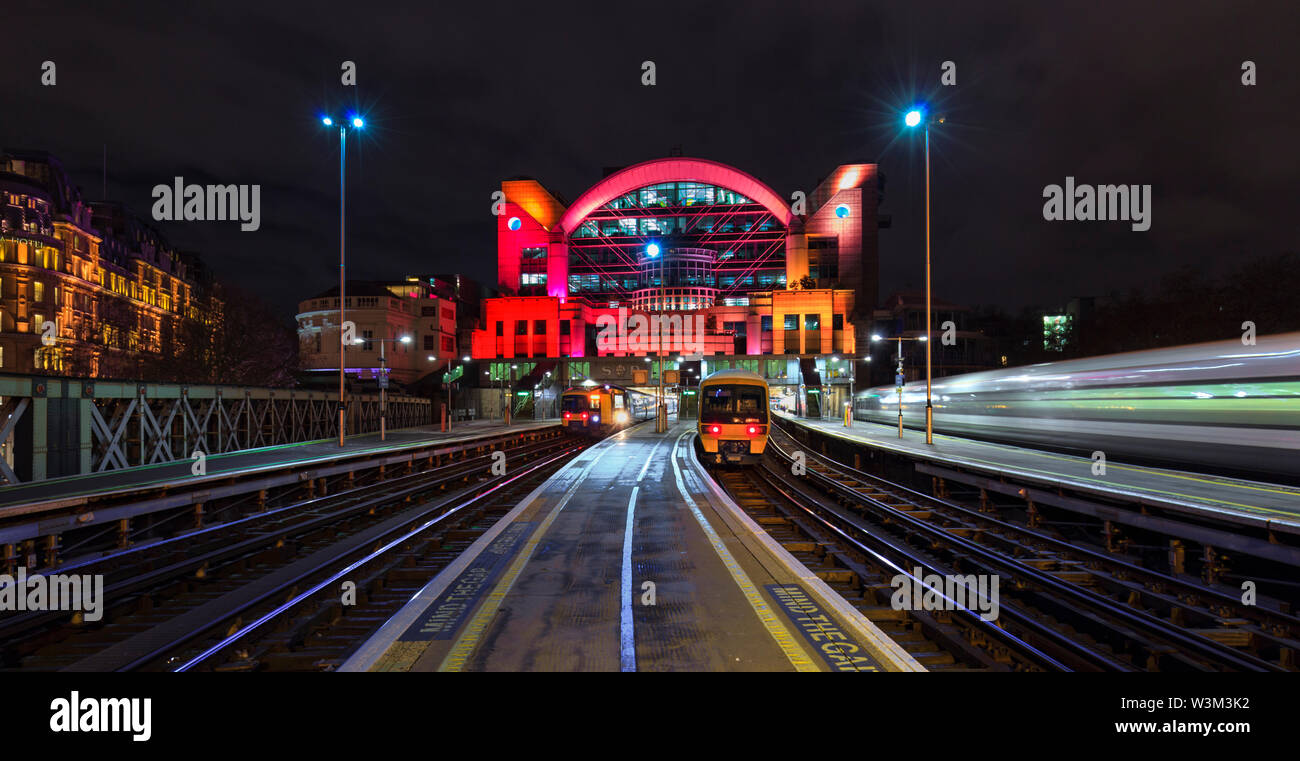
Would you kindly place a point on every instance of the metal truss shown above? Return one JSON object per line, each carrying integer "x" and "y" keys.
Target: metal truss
{"x": 59, "y": 427}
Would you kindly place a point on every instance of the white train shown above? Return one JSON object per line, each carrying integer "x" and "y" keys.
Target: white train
{"x": 1220, "y": 404}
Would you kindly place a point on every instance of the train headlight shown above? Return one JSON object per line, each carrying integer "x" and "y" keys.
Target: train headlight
{"x": 595, "y": 418}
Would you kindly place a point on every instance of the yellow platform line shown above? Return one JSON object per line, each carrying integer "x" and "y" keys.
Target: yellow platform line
{"x": 784, "y": 640}
{"x": 472, "y": 633}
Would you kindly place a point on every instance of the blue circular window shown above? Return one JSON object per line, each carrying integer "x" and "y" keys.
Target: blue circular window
{"x": 842, "y": 211}
{"x": 514, "y": 223}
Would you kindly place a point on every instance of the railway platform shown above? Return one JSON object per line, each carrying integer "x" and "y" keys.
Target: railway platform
{"x": 40, "y": 512}
{"x": 1271, "y": 507}
{"x": 249, "y": 461}
{"x": 628, "y": 559}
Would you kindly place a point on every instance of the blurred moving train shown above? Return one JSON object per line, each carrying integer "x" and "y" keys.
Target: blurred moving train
{"x": 1220, "y": 404}
{"x": 733, "y": 417}
{"x": 600, "y": 410}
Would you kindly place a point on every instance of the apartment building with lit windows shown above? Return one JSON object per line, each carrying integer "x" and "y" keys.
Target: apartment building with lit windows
{"x": 86, "y": 289}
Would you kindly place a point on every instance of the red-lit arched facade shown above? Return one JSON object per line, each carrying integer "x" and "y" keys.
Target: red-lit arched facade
{"x": 729, "y": 248}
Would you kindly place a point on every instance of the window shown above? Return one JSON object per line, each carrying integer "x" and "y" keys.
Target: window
{"x": 564, "y": 327}
{"x": 765, "y": 323}
{"x": 521, "y": 327}
{"x": 733, "y": 404}
{"x": 38, "y": 290}
{"x": 447, "y": 346}
{"x": 792, "y": 322}
{"x": 539, "y": 327}
{"x": 812, "y": 322}
{"x": 837, "y": 322}
{"x": 532, "y": 278}
{"x": 38, "y": 320}
{"x": 368, "y": 334}
{"x": 501, "y": 328}
{"x": 448, "y": 313}
{"x": 429, "y": 343}
{"x": 428, "y": 311}
{"x": 532, "y": 253}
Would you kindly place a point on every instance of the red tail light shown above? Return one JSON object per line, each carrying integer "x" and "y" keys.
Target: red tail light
{"x": 715, "y": 429}
{"x": 756, "y": 430}
{"x": 584, "y": 416}
{"x": 568, "y": 415}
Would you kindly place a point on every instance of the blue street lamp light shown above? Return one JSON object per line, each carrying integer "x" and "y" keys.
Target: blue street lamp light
{"x": 357, "y": 123}
{"x": 652, "y": 250}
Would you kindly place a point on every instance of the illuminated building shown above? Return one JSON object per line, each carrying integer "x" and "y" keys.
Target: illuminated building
{"x": 423, "y": 308}
{"x": 769, "y": 275}
{"x": 102, "y": 288}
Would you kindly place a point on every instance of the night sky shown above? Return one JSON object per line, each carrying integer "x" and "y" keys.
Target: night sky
{"x": 459, "y": 96}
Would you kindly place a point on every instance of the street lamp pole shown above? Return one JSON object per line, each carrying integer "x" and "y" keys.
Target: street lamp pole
{"x": 383, "y": 380}
{"x": 898, "y": 381}
{"x": 661, "y": 412}
{"x": 929, "y": 408}
{"x": 343, "y": 147}
{"x": 358, "y": 123}
{"x": 913, "y": 118}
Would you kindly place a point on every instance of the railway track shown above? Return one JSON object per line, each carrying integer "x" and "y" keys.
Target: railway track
{"x": 1062, "y": 607}
{"x": 171, "y": 596}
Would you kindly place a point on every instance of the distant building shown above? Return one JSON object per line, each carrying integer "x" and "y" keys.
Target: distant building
{"x": 1061, "y": 327}
{"x": 903, "y": 314}
{"x": 86, "y": 289}
{"x": 424, "y": 309}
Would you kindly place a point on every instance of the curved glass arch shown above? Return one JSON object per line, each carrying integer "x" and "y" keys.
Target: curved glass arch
{"x": 666, "y": 199}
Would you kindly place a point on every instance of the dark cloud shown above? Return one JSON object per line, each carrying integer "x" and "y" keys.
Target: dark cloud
{"x": 460, "y": 96}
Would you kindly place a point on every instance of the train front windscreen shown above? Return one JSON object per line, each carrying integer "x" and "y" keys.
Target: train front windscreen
{"x": 733, "y": 404}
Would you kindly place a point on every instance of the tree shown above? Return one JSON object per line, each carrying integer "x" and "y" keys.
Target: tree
{"x": 245, "y": 344}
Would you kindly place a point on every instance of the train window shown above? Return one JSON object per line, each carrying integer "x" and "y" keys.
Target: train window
{"x": 733, "y": 404}
{"x": 571, "y": 403}
{"x": 618, "y": 401}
